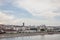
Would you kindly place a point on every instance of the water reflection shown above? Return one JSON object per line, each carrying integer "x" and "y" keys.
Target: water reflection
{"x": 40, "y": 37}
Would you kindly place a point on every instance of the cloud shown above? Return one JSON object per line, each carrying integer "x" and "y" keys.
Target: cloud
{"x": 38, "y": 8}
{"x": 11, "y": 19}
{"x": 42, "y": 8}
{"x": 5, "y": 18}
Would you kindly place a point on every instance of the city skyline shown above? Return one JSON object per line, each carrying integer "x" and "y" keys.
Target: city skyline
{"x": 31, "y": 12}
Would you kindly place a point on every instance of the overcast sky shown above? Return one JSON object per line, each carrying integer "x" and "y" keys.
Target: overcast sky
{"x": 32, "y": 12}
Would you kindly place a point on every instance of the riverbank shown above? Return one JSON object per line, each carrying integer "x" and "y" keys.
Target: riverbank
{"x": 24, "y": 34}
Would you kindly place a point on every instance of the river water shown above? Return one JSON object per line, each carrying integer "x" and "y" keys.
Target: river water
{"x": 38, "y": 37}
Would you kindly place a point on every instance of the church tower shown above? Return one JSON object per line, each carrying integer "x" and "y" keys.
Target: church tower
{"x": 23, "y": 24}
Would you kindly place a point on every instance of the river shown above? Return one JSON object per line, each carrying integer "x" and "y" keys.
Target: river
{"x": 38, "y": 37}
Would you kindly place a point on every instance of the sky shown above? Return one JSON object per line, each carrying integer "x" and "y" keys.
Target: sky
{"x": 31, "y": 12}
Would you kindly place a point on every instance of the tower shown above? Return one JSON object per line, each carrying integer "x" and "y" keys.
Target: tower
{"x": 23, "y": 24}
